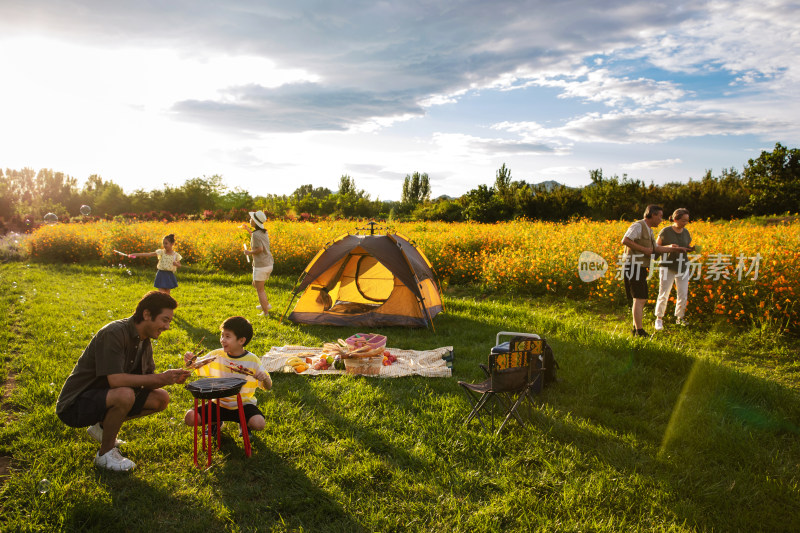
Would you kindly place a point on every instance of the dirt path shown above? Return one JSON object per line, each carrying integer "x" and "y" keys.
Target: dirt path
{"x": 8, "y": 388}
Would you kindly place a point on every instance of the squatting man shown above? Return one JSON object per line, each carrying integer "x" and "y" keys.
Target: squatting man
{"x": 114, "y": 379}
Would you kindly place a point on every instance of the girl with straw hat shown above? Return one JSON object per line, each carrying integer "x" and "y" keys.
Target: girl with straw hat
{"x": 262, "y": 258}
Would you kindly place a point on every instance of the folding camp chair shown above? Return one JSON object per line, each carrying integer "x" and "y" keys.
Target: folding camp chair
{"x": 514, "y": 372}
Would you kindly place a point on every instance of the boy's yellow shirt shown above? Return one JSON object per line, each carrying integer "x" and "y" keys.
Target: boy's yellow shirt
{"x": 218, "y": 369}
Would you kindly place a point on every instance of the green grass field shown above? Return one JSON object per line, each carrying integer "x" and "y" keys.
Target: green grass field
{"x": 697, "y": 429}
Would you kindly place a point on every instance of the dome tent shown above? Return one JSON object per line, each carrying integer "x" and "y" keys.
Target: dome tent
{"x": 368, "y": 281}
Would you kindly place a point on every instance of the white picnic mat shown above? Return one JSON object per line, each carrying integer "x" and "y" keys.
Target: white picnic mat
{"x": 428, "y": 363}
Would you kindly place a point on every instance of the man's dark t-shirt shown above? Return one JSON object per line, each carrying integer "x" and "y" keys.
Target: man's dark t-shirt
{"x": 115, "y": 349}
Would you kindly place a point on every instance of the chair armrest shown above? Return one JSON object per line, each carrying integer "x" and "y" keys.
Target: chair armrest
{"x": 514, "y": 334}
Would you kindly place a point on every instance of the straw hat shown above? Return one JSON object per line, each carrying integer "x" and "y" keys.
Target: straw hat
{"x": 258, "y": 218}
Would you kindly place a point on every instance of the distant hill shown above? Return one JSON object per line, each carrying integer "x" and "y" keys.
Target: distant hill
{"x": 549, "y": 185}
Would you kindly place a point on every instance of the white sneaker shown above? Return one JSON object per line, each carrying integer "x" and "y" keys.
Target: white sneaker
{"x": 259, "y": 307}
{"x": 659, "y": 325}
{"x": 96, "y": 432}
{"x": 113, "y": 460}
{"x": 269, "y": 307}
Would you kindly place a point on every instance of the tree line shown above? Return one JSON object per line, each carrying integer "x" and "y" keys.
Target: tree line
{"x": 768, "y": 185}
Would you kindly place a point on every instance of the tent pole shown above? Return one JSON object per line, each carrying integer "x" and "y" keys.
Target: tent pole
{"x": 430, "y": 320}
{"x": 287, "y": 308}
{"x": 294, "y": 295}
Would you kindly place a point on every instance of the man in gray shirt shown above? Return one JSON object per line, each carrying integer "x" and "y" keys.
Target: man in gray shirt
{"x": 114, "y": 379}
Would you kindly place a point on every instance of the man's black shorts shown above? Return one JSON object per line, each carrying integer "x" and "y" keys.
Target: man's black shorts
{"x": 90, "y": 407}
{"x": 635, "y": 277}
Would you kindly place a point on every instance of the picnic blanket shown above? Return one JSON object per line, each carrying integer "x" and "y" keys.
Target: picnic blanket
{"x": 429, "y": 363}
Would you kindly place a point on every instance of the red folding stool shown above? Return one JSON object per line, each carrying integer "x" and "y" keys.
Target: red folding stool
{"x": 212, "y": 389}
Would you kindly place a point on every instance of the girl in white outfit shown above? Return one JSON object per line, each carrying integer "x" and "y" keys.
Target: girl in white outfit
{"x": 262, "y": 258}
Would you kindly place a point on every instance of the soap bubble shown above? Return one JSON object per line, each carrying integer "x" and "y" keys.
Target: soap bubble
{"x": 14, "y": 284}
{"x": 51, "y": 218}
{"x": 86, "y": 210}
{"x": 44, "y": 486}
{"x": 110, "y": 314}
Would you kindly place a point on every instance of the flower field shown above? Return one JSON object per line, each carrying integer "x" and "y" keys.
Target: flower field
{"x": 746, "y": 273}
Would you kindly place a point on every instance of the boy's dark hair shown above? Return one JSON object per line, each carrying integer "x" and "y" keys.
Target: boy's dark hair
{"x": 170, "y": 238}
{"x": 155, "y": 302}
{"x": 240, "y": 327}
{"x": 651, "y": 210}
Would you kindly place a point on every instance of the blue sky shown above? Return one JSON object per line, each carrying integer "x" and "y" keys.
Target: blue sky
{"x": 274, "y": 95}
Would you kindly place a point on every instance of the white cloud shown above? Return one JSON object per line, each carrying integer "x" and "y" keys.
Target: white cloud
{"x": 637, "y": 126}
{"x": 564, "y": 171}
{"x": 600, "y": 86}
{"x": 643, "y": 165}
{"x": 470, "y": 146}
{"x": 754, "y": 40}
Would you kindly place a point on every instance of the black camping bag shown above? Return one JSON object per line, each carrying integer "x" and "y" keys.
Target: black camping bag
{"x": 547, "y": 358}
{"x": 550, "y": 365}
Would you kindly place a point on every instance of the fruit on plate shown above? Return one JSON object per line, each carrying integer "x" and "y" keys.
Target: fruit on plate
{"x": 322, "y": 364}
{"x": 297, "y": 364}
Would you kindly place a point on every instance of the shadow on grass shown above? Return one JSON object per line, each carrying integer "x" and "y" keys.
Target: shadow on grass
{"x": 718, "y": 440}
{"x": 278, "y": 496}
{"x": 392, "y": 404}
{"x": 167, "y": 512}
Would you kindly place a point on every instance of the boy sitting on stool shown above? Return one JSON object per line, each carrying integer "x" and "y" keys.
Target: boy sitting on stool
{"x": 236, "y": 332}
